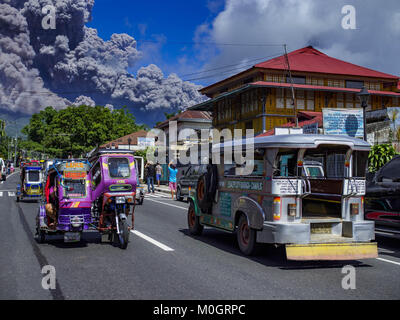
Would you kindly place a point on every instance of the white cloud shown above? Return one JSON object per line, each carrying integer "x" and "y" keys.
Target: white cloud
{"x": 299, "y": 23}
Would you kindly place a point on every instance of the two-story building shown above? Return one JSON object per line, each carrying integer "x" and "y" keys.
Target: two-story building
{"x": 261, "y": 98}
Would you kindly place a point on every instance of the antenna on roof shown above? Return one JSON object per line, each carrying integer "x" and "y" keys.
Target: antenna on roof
{"x": 291, "y": 86}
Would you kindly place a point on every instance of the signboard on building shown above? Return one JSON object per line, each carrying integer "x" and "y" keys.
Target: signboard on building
{"x": 311, "y": 128}
{"x": 146, "y": 142}
{"x": 348, "y": 122}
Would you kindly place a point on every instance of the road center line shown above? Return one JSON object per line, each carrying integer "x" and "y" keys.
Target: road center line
{"x": 167, "y": 204}
{"x": 151, "y": 240}
{"x": 390, "y": 261}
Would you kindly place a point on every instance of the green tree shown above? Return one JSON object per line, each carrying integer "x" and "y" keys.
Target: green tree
{"x": 380, "y": 155}
{"x": 77, "y": 129}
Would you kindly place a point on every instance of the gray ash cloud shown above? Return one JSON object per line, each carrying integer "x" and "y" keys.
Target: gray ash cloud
{"x": 72, "y": 64}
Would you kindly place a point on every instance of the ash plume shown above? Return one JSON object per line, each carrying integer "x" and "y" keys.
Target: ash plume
{"x": 71, "y": 64}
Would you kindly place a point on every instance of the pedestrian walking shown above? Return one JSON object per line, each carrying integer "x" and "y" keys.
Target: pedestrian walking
{"x": 150, "y": 173}
{"x": 172, "y": 178}
{"x": 159, "y": 172}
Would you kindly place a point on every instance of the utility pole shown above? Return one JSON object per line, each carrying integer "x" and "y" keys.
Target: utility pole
{"x": 15, "y": 154}
{"x": 291, "y": 86}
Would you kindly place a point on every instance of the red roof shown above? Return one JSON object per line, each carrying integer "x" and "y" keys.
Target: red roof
{"x": 309, "y": 59}
{"x": 312, "y": 117}
{"x": 187, "y": 115}
{"x": 124, "y": 140}
{"x": 322, "y": 88}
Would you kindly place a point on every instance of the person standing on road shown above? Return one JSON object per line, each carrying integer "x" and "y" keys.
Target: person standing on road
{"x": 159, "y": 172}
{"x": 151, "y": 172}
{"x": 172, "y": 178}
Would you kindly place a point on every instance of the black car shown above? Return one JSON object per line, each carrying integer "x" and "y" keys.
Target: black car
{"x": 187, "y": 179}
{"x": 383, "y": 198}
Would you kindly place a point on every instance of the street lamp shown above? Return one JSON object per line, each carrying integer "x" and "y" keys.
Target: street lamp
{"x": 364, "y": 95}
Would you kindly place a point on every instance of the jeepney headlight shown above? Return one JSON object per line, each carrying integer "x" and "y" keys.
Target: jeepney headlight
{"x": 129, "y": 199}
{"x": 292, "y": 209}
{"x": 354, "y": 208}
{"x": 277, "y": 209}
{"x": 120, "y": 200}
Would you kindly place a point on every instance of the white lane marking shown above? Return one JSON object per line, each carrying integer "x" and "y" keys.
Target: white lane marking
{"x": 390, "y": 261}
{"x": 1, "y": 194}
{"x": 158, "y": 195}
{"x": 11, "y": 194}
{"x": 151, "y": 240}
{"x": 12, "y": 174}
{"x": 167, "y": 204}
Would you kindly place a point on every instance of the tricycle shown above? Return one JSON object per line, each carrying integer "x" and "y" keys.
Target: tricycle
{"x": 31, "y": 182}
{"x": 113, "y": 189}
{"x": 66, "y": 207}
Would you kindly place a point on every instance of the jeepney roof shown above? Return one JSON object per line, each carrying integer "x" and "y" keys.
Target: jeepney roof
{"x": 306, "y": 141}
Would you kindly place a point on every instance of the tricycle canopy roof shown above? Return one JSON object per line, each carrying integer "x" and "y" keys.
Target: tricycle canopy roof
{"x": 99, "y": 152}
{"x": 300, "y": 141}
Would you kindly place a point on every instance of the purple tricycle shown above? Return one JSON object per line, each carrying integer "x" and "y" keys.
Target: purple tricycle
{"x": 113, "y": 188}
{"x": 66, "y": 208}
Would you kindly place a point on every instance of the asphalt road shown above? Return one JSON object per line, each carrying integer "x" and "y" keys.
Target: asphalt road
{"x": 163, "y": 262}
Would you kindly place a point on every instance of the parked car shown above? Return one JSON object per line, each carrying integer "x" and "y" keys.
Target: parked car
{"x": 383, "y": 198}
{"x": 187, "y": 179}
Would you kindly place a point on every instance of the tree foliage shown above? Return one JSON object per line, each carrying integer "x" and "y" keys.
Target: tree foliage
{"x": 380, "y": 155}
{"x": 77, "y": 130}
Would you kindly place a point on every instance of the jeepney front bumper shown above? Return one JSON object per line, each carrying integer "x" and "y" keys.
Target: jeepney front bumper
{"x": 348, "y": 240}
{"x": 332, "y": 251}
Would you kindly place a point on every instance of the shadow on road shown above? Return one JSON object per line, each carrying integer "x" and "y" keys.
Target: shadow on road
{"x": 267, "y": 255}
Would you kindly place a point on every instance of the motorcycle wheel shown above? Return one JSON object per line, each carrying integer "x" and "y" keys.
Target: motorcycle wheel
{"x": 124, "y": 235}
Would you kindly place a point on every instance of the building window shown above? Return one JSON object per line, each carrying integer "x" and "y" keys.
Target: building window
{"x": 354, "y": 84}
{"x": 279, "y": 99}
{"x": 310, "y": 101}
{"x": 296, "y": 80}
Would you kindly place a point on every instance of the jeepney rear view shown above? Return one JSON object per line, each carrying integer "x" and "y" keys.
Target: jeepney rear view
{"x": 305, "y": 192}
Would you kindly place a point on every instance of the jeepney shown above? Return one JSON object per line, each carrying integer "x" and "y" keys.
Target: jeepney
{"x": 305, "y": 192}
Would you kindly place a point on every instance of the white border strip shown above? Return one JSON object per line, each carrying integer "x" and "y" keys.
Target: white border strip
{"x": 390, "y": 261}
{"x": 167, "y": 204}
{"x": 151, "y": 240}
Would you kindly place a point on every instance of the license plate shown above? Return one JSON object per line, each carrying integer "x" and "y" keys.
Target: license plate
{"x": 72, "y": 237}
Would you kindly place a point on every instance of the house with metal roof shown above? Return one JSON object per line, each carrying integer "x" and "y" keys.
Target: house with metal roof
{"x": 275, "y": 92}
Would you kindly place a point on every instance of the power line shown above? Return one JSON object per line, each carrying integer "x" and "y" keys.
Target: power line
{"x": 239, "y": 67}
{"x": 232, "y": 65}
{"x": 214, "y": 43}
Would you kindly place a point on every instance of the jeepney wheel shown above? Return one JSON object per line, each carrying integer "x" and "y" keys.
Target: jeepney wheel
{"x": 246, "y": 237}
{"x": 123, "y": 237}
{"x": 195, "y": 228}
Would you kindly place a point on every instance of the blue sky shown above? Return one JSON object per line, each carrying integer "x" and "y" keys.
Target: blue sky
{"x": 165, "y": 22}
{"x": 298, "y": 23}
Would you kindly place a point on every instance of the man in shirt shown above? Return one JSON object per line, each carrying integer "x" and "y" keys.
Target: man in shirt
{"x": 159, "y": 172}
{"x": 172, "y": 178}
{"x": 151, "y": 172}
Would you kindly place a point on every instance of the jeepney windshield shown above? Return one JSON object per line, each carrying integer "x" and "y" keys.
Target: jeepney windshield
{"x": 33, "y": 176}
{"x": 331, "y": 159}
{"x": 74, "y": 188}
{"x": 119, "y": 168}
